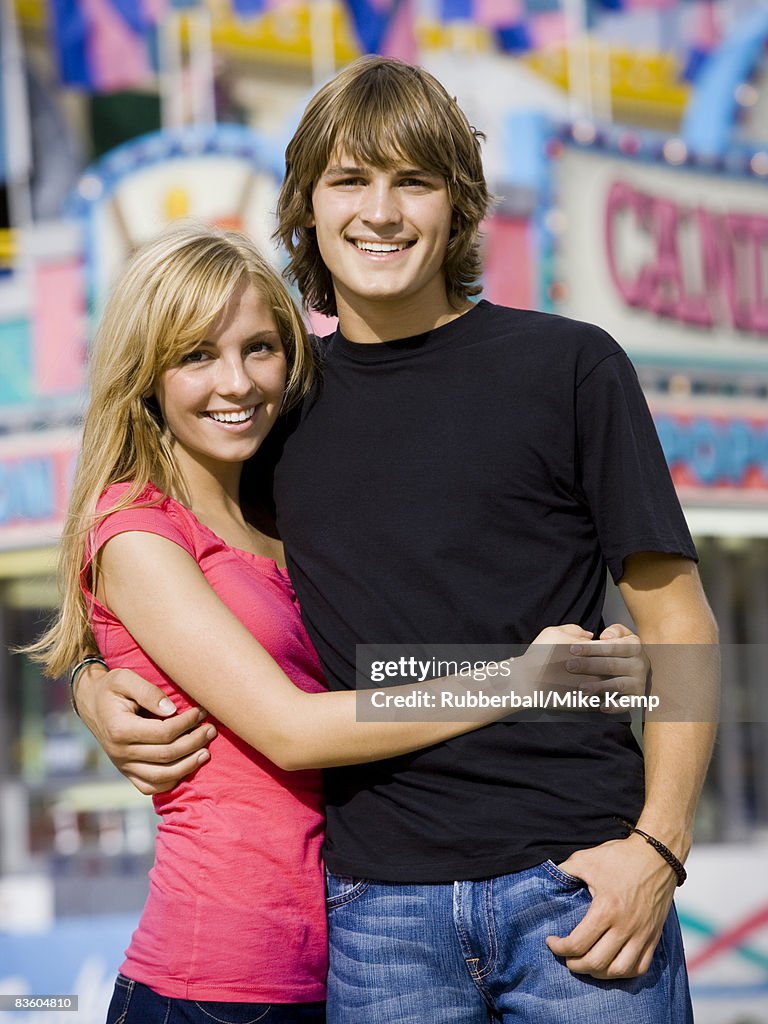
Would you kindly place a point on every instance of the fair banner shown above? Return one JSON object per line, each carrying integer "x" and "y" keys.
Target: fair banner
{"x": 35, "y": 476}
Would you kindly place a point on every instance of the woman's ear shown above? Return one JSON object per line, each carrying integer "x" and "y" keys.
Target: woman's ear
{"x": 152, "y": 406}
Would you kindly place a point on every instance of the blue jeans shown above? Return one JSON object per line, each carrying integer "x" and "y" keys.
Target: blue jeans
{"x": 475, "y": 952}
{"x": 134, "y": 1003}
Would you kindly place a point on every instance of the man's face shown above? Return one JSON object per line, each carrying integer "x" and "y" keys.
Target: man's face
{"x": 383, "y": 235}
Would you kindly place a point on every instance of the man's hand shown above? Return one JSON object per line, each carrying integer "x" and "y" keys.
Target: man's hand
{"x": 155, "y": 752}
{"x": 616, "y": 660}
{"x": 632, "y": 888}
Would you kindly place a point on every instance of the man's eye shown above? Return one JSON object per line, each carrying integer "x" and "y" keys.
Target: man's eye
{"x": 415, "y": 183}
{"x": 349, "y": 182}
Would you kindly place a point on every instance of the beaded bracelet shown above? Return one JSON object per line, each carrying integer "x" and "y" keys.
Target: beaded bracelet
{"x": 660, "y": 848}
{"x": 76, "y": 672}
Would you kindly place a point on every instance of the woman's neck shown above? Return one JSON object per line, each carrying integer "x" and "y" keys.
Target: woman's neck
{"x": 211, "y": 489}
{"x": 212, "y": 494}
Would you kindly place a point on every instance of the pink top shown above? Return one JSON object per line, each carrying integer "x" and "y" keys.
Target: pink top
{"x": 236, "y": 908}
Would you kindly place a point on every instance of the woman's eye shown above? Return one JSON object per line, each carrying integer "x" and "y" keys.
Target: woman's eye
{"x": 194, "y": 357}
{"x": 265, "y": 346}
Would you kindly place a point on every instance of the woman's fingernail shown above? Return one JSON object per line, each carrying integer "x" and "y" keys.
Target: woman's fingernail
{"x": 166, "y": 706}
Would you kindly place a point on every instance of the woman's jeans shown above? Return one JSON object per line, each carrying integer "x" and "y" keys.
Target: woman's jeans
{"x": 475, "y": 952}
{"x": 134, "y": 1003}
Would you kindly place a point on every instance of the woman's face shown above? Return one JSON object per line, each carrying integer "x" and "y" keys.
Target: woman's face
{"x": 222, "y": 399}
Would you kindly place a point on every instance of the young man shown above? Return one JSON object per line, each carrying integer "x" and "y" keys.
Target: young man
{"x": 464, "y": 474}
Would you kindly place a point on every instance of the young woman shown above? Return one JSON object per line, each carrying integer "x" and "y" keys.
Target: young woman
{"x": 199, "y": 350}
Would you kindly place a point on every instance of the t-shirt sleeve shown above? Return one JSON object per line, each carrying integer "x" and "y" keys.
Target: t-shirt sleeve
{"x": 151, "y": 519}
{"x": 624, "y": 475}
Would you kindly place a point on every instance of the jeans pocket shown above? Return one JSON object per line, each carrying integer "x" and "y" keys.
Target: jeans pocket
{"x": 342, "y": 889}
{"x": 232, "y": 1013}
{"x": 562, "y": 876}
{"x": 121, "y": 998}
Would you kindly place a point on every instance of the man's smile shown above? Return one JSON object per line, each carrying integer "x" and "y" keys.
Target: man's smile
{"x": 378, "y": 248}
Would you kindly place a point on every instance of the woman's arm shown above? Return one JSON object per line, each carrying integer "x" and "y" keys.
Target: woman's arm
{"x": 208, "y": 652}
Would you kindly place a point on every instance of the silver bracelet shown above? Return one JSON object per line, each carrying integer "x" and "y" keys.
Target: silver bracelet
{"x": 76, "y": 672}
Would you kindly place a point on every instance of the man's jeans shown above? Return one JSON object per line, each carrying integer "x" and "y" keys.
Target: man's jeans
{"x": 475, "y": 952}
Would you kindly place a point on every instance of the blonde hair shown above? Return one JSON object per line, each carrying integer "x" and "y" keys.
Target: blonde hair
{"x": 381, "y": 112}
{"x": 172, "y": 291}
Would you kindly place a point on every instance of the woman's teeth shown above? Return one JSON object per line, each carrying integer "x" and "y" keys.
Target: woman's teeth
{"x": 233, "y": 417}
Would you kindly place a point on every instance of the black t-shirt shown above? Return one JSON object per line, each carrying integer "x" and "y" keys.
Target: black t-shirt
{"x": 470, "y": 485}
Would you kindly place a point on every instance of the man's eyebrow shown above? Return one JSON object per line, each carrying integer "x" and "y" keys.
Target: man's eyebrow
{"x": 418, "y": 172}
{"x": 401, "y": 172}
{"x": 335, "y": 171}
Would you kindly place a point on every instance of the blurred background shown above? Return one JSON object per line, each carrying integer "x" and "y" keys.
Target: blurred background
{"x": 627, "y": 142}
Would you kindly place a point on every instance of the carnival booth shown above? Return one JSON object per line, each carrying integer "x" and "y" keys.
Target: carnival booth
{"x": 652, "y": 223}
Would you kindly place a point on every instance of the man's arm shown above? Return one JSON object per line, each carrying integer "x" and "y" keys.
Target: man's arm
{"x": 631, "y": 884}
{"x": 154, "y": 753}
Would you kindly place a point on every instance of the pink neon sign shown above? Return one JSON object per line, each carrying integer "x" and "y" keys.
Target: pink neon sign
{"x": 699, "y": 266}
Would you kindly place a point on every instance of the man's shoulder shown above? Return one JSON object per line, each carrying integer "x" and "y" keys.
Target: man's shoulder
{"x": 546, "y": 322}
{"x": 548, "y": 336}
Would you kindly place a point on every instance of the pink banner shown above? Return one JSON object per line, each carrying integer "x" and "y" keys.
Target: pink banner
{"x": 509, "y": 262}
{"x": 58, "y": 328}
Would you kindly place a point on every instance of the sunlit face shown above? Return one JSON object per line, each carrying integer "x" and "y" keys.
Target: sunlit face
{"x": 224, "y": 396}
{"x": 383, "y": 234}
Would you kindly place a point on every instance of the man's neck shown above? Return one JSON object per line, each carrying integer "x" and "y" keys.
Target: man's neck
{"x": 373, "y": 322}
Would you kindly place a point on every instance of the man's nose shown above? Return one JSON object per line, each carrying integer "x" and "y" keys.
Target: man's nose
{"x": 380, "y": 205}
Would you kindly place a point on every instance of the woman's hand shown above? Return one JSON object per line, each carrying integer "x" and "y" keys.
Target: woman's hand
{"x": 566, "y": 657}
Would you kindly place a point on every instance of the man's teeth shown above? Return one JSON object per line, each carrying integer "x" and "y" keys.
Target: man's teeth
{"x": 233, "y": 417}
{"x": 381, "y": 246}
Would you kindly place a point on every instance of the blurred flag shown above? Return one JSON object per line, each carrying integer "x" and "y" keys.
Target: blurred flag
{"x": 385, "y": 26}
{"x": 370, "y": 20}
{"x": 400, "y": 38}
{"x": 704, "y": 35}
{"x": 495, "y": 13}
{"x": 549, "y": 28}
{"x": 248, "y": 8}
{"x": 457, "y": 10}
{"x": 104, "y": 45}
{"x": 514, "y": 38}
